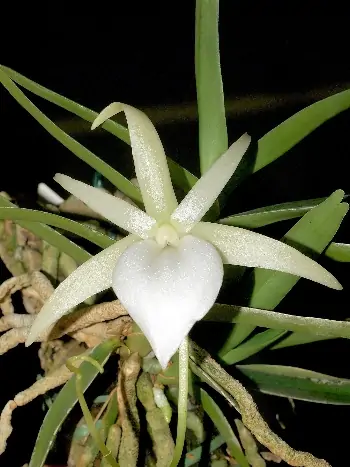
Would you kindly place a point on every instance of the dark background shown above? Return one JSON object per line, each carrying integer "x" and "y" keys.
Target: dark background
{"x": 274, "y": 62}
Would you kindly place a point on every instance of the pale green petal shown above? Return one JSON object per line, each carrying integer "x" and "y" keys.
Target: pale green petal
{"x": 204, "y": 193}
{"x": 149, "y": 158}
{"x": 118, "y": 211}
{"x": 91, "y": 277}
{"x": 245, "y": 248}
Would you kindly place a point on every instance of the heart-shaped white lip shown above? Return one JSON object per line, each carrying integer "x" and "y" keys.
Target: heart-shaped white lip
{"x": 166, "y": 290}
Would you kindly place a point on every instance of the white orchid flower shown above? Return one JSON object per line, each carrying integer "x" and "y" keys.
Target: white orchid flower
{"x": 169, "y": 271}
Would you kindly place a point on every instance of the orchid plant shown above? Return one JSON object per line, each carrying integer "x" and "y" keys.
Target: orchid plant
{"x": 169, "y": 270}
{"x": 167, "y": 273}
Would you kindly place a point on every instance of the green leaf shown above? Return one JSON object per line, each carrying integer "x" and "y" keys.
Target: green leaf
{"x": 297, "y": 383}
{"x": 254, "y": 345}
{"x": 324, "y": 328}
{"x": 271, "y": 214}
{"x": 299, "y": 338}
{"x": 237, "y": 335}
{"x": 286, "y": 135}
{"x": 66, "y": 400}
{"x": 179, "y": 175}
{"x": 194, "y": 456}
{"x": 116, "y": 178}
{"x": 311, "y": 235}
{"x": 223, "y": 427}
{"x": 84, "y": 231}
{"x": 213, "y": 140}
{"x": 87, "y": 114}
{"x": 51, "y": 236}
{"x": 205, "y": 378}
{"x": 339, "y": 252}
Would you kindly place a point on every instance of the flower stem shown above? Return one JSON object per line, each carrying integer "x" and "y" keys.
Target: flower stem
{"x": 182, "y": 402}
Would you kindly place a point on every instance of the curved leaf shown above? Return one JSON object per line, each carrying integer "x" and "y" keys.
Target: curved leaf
{"x": 116, "y": 178}
{"x": 66, "y": 400}
{"x": 270, "y": 214}
{"x": 179, "y": 175}
{"x": 314, "y": 231}
{"x": 299, "y": 338}
{"x": 252, "y": 346}
{"x": 274, "y": 320}
{"x": 311, "y": 234}
{"x": 297, "y": 383}
{"x": 339, "y": 252}
{"x": 195, "y": 456}
{"x": 286, "y": 135}
{"x": 224, "y": 428}
{"x": 84, "y": 231}
{"x": 51, "y": 236}
{"x": 213, "y": 140}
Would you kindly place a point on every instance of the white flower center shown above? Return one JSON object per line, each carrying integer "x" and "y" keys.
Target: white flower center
{"x": 167, "y": 235}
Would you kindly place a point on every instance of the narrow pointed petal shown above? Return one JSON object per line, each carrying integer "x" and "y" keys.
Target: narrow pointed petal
{"x": 166, "y": 290}
{"x": 245, "y": 248}
{"x": 118, "y": 211}
{"x": 204, "y": 193}
{"x": 149, "y": 158}
{"x": 91, "y": 277}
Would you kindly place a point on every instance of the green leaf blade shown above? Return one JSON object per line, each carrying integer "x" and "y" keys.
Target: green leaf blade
{"x": 300, "y": 338}
{"x": 325, "y": 328}
{"x": 311, "y": 234}
{"x": 270, "y": 214}
{"x": 338, "y": 252}
{"x": 224, "y": 428}
{"x": 66, "y": 400}
{"x": 213, "y": 139}
{"x": 51, "y": 236}
{"x": 31, "y": 215}
{"x": 290, "y": 132}
{"x": 298, "y": 383}
{"x": 180, "y": 176}
{"x": 254, "y": 345}
{"x": 116, "y": 178}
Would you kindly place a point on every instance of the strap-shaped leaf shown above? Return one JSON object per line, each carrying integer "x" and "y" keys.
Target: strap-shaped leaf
{"x": 116, "y": 178}
{"x": 66, "y": 400}
{"x": 270, "y": 214}
{"x": 224, "y": 428}
{"x": 312, "y": 233}
{"x": 213, "y": 141}
{"x": 50, "y": 235}
{"x": 286, "y": 135}
{"x": 77, "y": 228}
{"x": 181, "y": 177}
{"x": 275, "y": 320}
{"x": 297, "y": 383}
